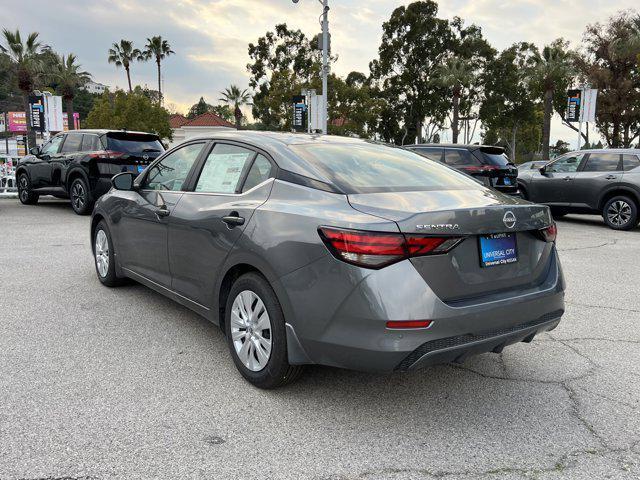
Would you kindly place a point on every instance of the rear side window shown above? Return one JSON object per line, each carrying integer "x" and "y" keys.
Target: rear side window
{"x": 492, "y": 156}
{"x": 259, "y": 172}
{"x": 370, "y": 168}
{"x": 223, "y": 169}
{"x": 431, "y": 153}
{"x": 629, "y": 162}
{"x": 133, "y": 143}
{"x": 90, "y": 143}
{"x": 72, "y": 143}
{"x": 602, "y": 162}
{"x": 460, "y": 158}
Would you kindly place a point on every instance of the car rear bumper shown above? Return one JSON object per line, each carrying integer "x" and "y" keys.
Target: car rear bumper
{"x": 349, "y": 331}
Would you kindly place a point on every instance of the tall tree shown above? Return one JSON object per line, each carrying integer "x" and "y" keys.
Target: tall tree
{"x": 235, "y": 98}
{"x": 456, "y": 74}
{"x": 68, "y": 77}
{"x": 122, "y": 55}
{"x": 158, "y": 49}
{"x": 27, "y": 67}
{"x": 551, "y": 72}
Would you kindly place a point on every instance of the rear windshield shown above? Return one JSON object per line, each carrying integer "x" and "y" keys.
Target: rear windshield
{"x": 370, "y": 168}
{"x": 133, "y": 143}
{"x": 493, "y": 156}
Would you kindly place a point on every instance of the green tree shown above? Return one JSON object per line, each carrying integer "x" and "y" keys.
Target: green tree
{"x": 122, "y": 55}
{"x": 68, "y": 78}
{"x": 158, "y": 49}
{"x": 26, "y": 64}
{"x": 224, "y": 112}
{"x": 132, "y": 111}
{"x": 199, "y": 108}
{"x": 456, "y": 75}
{"x": 508, "y": 109}
{"x": 550, "y": 73}
{"x": 234, "y": 97}
{"x": 610, "y": 64}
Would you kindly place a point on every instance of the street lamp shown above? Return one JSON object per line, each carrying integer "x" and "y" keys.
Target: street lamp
{"x": 325, "y": 60}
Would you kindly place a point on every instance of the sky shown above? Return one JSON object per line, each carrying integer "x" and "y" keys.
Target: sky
{"x": 210, "y": 37}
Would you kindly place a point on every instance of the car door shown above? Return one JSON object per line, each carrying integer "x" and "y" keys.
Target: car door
{"x": 40, "y": 169}
{"x": 233, "y": 182}
{"x": 598, "y": 172}
{"x": 142, "y": 227}
{"x": 60, "y": 162}
{"x": 551, "y": 186}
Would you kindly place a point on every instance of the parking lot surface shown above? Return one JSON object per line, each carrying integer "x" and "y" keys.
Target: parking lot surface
{"x": 99, "y": 383}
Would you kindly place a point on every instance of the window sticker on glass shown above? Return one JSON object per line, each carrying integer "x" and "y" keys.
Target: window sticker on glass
{"x": 221, "y": 172}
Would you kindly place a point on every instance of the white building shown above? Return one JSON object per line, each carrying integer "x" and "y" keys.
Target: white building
{"x": 94, "y": 87}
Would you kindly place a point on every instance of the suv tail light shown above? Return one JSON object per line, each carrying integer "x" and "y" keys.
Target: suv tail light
{"x": 549, "y": 233}
{"x": 378, "y": 249}
{"x": 106, "y": 154}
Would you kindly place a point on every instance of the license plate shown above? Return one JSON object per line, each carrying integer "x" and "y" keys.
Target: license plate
{"x": 498, "y": 249}
{"x": 507, "y": 181}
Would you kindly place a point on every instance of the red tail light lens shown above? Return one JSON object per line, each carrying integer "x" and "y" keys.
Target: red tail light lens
{"x": 106, "y": 154}
{"x": 377, "y": 249}
{"x": 550, "y": 233}
{"x": 397, "y": 325}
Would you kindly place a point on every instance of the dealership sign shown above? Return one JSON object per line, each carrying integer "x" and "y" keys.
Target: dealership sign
{"x": 17, "y": 122}
{"x": 36, "y": 109}
{"x": 581, "y": 105}
{"x": 299, "y": 113}
{"x": 53, "y": 109}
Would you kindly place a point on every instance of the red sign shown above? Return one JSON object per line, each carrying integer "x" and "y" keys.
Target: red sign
{"x": 17, "y": 121}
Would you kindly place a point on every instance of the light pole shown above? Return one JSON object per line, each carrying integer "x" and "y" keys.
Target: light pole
{"x": 325, "y": 61}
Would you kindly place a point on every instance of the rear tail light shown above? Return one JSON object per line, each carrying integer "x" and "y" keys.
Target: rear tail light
{"x": 402, "y": 324}
{"x": 549, "y": 233}
{"x": 106, "y": 154}
{"x": 377, "y": 249}
{"x": 481, "y": 169}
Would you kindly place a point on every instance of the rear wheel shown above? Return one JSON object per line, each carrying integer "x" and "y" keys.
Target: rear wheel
{"x": 620, "y": 213}
{"x": 256, "y": 335}
{"x": 81, "y": 200}
{"x": 26, "y": 195}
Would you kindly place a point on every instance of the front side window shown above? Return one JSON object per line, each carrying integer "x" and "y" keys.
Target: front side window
{"x": 72, "y": 143}
{"x": 602, "y": 162}
{"x": 431, "y": 153}
{"x": 223, "y": 169}
{"x": 630, "y": 162}
{"x": 370, "y": 168}
{"x": 568, "y": 164}
{"x": 171, "y": 172}
{"x": 51, "y": 147}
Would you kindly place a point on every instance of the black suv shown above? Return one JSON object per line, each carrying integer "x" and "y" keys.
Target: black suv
{"x": 79, "y": 165}
{"x": 605, "y": 182}
{"x": 488, "y": 164}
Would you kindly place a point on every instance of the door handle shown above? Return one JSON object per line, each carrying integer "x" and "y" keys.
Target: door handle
{"x": 233, "y": 220}
{"x": 163, "y": 211}
{"x": 610, "y": 177}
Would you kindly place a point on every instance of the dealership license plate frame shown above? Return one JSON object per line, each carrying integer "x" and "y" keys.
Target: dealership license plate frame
{"x": 506, "y": 241}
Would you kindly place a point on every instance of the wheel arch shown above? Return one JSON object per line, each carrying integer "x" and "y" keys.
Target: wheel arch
{"x": 616, "y": 191}
{"x": 22, "y": 169}
{"x": 75, "y": 173}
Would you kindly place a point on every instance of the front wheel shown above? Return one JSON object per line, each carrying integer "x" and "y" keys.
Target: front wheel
{"x": 620, "y": 213}
{"x": 256, "y": 335}
{"x": 25, "y": 194}
{"x": 80, "y": 197}
{"x": 104, "y": 257}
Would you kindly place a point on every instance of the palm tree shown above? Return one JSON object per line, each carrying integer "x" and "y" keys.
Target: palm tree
{"x": 551, "y": 70}
{"x": 25, "y": 59}
{"x": 122, "y": 54}
{"x": 455, "y": 74}
{"x": 68, "y": 77}
{"x": 159, "y": 49}
{"x": 235, "y": 97}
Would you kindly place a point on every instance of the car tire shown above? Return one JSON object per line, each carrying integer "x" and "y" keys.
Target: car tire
{"x": 25, "y": 194}
{"x": 620, "y": 213}
{"x": 103, "y": 256}
{"x": 256, "y": 334}
{"x": 81, "y": 200}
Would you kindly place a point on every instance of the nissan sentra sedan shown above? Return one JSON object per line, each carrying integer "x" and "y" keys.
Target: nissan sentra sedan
{"x": 334, "y": 251}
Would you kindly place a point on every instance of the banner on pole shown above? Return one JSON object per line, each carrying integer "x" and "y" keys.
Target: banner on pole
{"x": 53, "y": 109}
{"x": 36, "y": 108}
{"x": 588, "y": 107}
{"x": 17, "y": 121}
{"x": 299, "y": 123}
{"x": 574, "y": 106}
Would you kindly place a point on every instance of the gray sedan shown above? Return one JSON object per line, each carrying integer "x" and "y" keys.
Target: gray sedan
{"x": 333, "y": 251}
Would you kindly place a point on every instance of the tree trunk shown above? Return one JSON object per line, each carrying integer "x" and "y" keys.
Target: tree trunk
{"x": 159, "y": 83}
{"x": 419, "y": 131}
{"x": 455, "y": 124}
{"x": 31, "y": 134}
{"x": 615, "y": 136}
{"x": 513, "y": 143}
{"x": 238, "y": 115}
{"x": 546, "y": 123}
{"x": 129, "y": 79}
{"x": 70, "y": 121}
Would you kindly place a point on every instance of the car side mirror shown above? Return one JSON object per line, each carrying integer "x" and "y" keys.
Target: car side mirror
{"x": 543, "y": 169}
{"x": 123, "y": 181}
{"x": 35, "y": 151}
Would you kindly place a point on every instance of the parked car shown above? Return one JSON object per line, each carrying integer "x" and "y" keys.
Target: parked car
{"x": 334, "y": 251}
{"x": 534, "y": 165}
{"x": 488, "y": 164}
{"x": 605, "y": 182}
{"x": 79, "y": 165}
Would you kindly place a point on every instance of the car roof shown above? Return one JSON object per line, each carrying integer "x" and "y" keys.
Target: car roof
{"x": 634, "y": 151}
{"x": 453, "y": 145}
{"x": 102, "y": 131}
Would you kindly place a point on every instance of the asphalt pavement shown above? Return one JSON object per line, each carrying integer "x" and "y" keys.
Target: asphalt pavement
{"x": 99, "y": 383}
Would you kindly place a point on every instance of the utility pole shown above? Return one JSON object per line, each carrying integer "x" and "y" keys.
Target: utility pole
{"x": 325, "y": 64}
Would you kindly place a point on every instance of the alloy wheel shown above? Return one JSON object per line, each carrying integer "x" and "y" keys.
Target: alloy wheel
{"x": 102, "y": 253}
{"x": 23, "y": 186}
{"x": 251, "y": 330}
{"x": 619, "y": 213}
{"x": 78, "y": 195}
